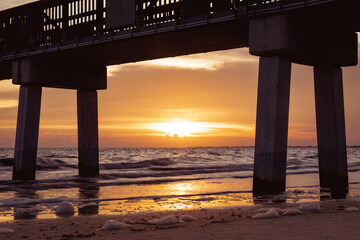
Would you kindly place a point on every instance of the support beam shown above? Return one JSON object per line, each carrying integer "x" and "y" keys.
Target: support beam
{"x": 88, "y": 132}
{"x": 27, "y": 132}
{"x": 72, "y": 74}
{"x": 330, "y": 124}
{"x": 272, "y": 125}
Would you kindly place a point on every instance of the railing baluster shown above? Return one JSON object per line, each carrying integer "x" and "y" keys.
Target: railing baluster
{"x": 65, "y": 21}
{"x": 44, "y": 23}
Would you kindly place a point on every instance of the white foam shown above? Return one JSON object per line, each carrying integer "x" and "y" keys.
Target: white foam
{"x": 292, "y": 211}
{"x": 309, "y": 207}
{"x": 6, "y": 230}
{"x": 55, "y": 200}
{"x": 351, "y": 209}
{"x": 271, "y": 213}
{"x": 15, "y": 201}
{"x": 264, "y": 210}
{"x": 163, "y": 221}
{"x": 187, "y": 218}
{"x": 65, "y": 207}
{"x": 26, "y": 210}
{"x": 114, "y": 225}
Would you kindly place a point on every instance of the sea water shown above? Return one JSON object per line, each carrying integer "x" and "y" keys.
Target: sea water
{"x": 146, "y": 179}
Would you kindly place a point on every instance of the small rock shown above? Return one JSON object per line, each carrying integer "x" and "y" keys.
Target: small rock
{"x": 65, "y": 207}
{"x": 292, "y": 211}
{"x": 187, "y": 218}
{"x": 264, "y": 210}
{"x": 163, "y": 221}
{"x": 6, "y": 230}
{"x": 114, "y": 225}
{"x": 309, "y": 207}
{"x": 351, "y": 209}
{"x": 272, "y": 213}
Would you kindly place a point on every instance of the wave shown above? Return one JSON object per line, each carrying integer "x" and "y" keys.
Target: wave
{"x": 41, "y": 163}
{"x": 163, "y": 174}
{"x": 81, "y": 183}
{"x": 47, "y": 164}
{"x": 60, "y": 156}
{"x": 141, "y": 164}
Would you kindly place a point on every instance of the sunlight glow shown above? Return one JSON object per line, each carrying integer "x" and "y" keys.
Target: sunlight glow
{"x": 6, "y": 4}
{"x": 7, "y": 86}
{"x": 181, "y": 128}
{"x": 210, "y": 61}
{"x": 184, "y": 62}
{"x": 8, "y": 103}
{"x": 183, "y": 188}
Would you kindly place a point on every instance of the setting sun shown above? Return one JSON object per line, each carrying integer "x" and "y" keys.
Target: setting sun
{"x": 181, "y": 128}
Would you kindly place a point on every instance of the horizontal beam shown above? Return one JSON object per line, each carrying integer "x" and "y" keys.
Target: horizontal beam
{"x": 304, "y": 41}
{"x": 198, "y": 34}
{"x": 191, "y": 40}
{"x": 50, "y": 73}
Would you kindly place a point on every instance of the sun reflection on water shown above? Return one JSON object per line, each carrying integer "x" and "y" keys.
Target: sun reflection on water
{"x": 182, "y": 188}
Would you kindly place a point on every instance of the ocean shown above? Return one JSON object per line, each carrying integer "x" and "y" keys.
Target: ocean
{"x": 146, "y": 179}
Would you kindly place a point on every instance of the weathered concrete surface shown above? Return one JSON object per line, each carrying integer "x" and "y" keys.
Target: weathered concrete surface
{"x": 330, "y": 124}
{"x": 27, "y": 132}
{"x": 52, "y": 73}
{"x": 305, "y": 40}
{"x": 88, "y": 139}
{"x": 269, "y": 36}
{"x": 272, "y": 125}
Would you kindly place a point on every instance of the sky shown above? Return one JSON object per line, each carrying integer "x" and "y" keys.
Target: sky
{"x": 205, "y": 99}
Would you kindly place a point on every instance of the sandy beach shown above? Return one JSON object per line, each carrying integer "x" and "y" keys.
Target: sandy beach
{"x": 332, "y": 221}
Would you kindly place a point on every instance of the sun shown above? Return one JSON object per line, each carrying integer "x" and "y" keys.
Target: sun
{"x": 180, "y": 128}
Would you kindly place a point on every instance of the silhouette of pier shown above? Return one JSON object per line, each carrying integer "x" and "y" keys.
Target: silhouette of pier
{"x": 68, "y": 44}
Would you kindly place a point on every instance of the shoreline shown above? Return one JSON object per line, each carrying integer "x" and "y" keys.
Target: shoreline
{"x": 330, "y": 222}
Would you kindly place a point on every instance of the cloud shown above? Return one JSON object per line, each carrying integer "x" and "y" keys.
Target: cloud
{"x": 205, "y": 61}
{"x": 7, "y": 86}
{"x": 5, "y": 4}
{"x": 8, "y": 103}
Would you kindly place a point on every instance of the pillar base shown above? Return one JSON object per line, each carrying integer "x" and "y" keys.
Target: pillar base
{"x": 261, "y": 187}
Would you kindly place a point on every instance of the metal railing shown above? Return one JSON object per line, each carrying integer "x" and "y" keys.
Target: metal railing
{"x": 56, "y": 22}
{"x": 49, "y": 22}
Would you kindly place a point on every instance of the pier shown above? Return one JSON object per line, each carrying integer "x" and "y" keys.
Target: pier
{"x": 69, "y": 43}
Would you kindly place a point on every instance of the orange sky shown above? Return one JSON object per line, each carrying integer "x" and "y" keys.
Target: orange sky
{"x": 212, "y": 94}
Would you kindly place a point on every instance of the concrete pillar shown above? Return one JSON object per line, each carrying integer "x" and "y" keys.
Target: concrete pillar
{"x": 330, "y": 124}
{"x": 272, "y": 125}
{"x": 88, "y": 132}
{"x": 27, "y": 132}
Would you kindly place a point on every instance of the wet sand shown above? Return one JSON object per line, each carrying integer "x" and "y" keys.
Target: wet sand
{"x": 330, "y": 222}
